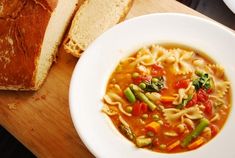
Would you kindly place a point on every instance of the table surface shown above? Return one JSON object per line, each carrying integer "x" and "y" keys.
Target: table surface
{"x": 41, "y": 120}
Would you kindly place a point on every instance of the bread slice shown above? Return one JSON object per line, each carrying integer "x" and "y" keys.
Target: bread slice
{"x": 56, "y": 27}
{"x": 30, "y": 33}
{"x": 93, "y": 18}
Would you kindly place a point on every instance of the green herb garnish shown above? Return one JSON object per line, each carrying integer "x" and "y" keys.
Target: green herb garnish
{"x": 155, "y": 85}
{"x": 203, "y": 81}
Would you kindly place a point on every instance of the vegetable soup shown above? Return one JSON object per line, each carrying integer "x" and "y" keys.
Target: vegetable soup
{"x": 168, "y": 98}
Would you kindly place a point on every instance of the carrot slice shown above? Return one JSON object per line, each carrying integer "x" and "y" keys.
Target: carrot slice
{"x": 196, "y": 143}
{"x": 167, "y": 99}
{"x": 173, "y": 145}
{"x": 153, "y": 126}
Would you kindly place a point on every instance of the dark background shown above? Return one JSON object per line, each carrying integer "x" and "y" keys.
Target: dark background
{"x": 215, "y": 9}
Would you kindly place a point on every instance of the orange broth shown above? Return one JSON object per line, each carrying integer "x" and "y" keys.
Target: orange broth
{"x": 122, "y": 76}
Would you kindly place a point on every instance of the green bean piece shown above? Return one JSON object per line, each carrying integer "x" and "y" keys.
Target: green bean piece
{"x": 135, "y": 75}
{"x": 142, "y": 142}
{"x": 144, "y": 116}
{"x": 134, "y": 88}
{"x": 155, "y": 80}
{"x": 155, "y": 117}
{"x": 129, "y": 95}
{"x": 129, "y": 109}
{"x": 142, "y": 85}
{"x": 196, "y": 132}
{"x": 127, "y": 131}
{"x": 199, "y": 73}
{"x": 141, "y": 96}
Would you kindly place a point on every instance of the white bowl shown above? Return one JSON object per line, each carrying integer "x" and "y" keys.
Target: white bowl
{"x": 230, "y": 4}
{"x": 94, "y": 68}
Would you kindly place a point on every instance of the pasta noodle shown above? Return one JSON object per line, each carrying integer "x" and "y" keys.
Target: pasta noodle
{"x": 160, "y": 54}
{"x": 144, "y": 56}
{"x": 216, "y": 70}
{"x": 117, "y": 101}
{"x": 183, "y": 94}
{"x": 221, "y": 88}
{"x": 199, "y": 63}
{"x": 189, "y": 123}
{"x": 142, "y": 69}
{"x": 172, "y": 114}
{"x": 181, "y": 65}
{"x": 108, "y": 111}
{"x": 117, "y": 89}
{"x": 218, "y": 102}
{"x": 215, "y": 118}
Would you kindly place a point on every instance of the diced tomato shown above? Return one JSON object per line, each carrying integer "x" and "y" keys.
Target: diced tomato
{"x": 157, "y": 71}
{"x": 139, "y": 108}
{"x": 209, "y": 91}
{"x": 156, "y": 142}
{"x": 193, "y": 101}
{"x": 122, "y": 94}
{"x": 166, "y": 125}
{"x": 140, "y": 79}
{"x": 164, "y": 91}
{"x": 136, "y": 109}
{"x": 208, "y": 107}
{"x": 137, "y": 80}
{"x": 157, "y": 67}
{"x": 181, "y": 84}
{"x": 146, "y": 78}
{"x": 168, "y": 105}
{"x": 214, "y": 129}
{"x": 202, "y": 95}
{"x": 144, "y": 107}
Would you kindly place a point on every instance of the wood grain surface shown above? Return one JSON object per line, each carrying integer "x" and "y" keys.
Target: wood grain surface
{"x": 41, "y": 120}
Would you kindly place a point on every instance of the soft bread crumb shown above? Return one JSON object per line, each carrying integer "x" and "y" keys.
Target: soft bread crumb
{"x": 12, "y": 106}
{"x": 53, "y": 36}
{"x": 92, "y": 19}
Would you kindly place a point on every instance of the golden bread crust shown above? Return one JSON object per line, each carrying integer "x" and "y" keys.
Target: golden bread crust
{"x": 21, "y": 36}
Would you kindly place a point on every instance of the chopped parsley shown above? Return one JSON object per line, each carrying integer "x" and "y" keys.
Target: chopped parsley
{"x": 203, "y": 81}
{"x": 154, "y": 85}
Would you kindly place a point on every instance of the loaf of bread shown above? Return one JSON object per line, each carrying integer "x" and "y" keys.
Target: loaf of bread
{"x": 30, "y": 32}
{"x": 93, "y": 18}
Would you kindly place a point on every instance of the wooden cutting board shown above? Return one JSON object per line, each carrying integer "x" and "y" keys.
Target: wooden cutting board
{"x": 41, "y": 120}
